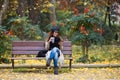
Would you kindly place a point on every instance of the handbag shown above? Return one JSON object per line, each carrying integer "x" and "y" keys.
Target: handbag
{"x": 42, "y": 53}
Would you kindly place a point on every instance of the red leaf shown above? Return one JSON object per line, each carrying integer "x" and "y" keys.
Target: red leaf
{"x": 10, "y": 32}
{"x": 86, "y": 10}
{"x": 76, "y": 12}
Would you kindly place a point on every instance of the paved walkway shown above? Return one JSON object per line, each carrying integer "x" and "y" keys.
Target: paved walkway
{"x": 64, "y": 74}
{"x": 78, "y": 72}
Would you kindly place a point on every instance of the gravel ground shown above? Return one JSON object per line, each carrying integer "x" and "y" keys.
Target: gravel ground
{"x": 64, "y": 74}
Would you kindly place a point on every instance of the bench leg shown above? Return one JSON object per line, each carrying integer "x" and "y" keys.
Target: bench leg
{"x": 70, "y": 64}
{"x": 13, "y": 63}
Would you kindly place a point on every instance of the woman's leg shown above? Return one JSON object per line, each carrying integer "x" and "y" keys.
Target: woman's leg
{"x": 55, "y": 52}
{"x": 54, "y": 55}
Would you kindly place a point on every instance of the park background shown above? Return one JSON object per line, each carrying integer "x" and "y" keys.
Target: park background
{"x": 93, "y": 26}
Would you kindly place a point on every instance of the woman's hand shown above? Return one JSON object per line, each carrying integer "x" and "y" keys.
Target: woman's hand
{"x": 51, "y": 39}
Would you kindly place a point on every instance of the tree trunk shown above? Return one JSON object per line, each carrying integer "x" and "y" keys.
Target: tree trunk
{"x": 108, "y": 13}
{"x": 109, "y": 18}
{"x": 3, "y": 10}
{"x": 53, "y": 14}
{"x": 85, "y": 46}
{"x": 105, "y": 17}
{"x": 0, "y": 19}
{"x": 33, "y": 11}
{"x": 22, "y": 4}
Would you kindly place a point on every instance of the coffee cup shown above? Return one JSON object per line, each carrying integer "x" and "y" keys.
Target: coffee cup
{"x": 52, "y": 39}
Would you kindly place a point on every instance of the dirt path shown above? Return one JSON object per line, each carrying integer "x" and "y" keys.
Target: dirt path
{"x": 64, "y": 74}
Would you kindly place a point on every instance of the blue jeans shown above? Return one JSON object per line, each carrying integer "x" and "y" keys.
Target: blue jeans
{"x": 54, "y": 55}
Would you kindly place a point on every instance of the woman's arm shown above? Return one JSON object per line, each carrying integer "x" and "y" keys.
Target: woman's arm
{"x": 47, "y": 43}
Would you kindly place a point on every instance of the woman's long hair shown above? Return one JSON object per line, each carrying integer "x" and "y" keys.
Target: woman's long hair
{"x": 50, "y": 34}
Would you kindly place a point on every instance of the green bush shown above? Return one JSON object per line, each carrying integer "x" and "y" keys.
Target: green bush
{"x": 22, "y": 28}
{"x": 83, "y": 59}
{"x": 96, "y": 58}
{"x": 5, "y": 44}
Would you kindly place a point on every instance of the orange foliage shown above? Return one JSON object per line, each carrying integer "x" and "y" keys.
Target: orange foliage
{"x": 82, "y": 28}
{"x": 95, "y": 27}
{"x": 10, "y": 32}
{"x": 100, "y": 31}
{"x": 63, "y": 4}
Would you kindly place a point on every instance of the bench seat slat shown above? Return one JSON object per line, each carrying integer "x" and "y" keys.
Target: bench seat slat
{"x": 34, "y": 58}
{"x": 35, "y": 52}
{"x": 28, "y": 58}
{"x": 67, "y": 52}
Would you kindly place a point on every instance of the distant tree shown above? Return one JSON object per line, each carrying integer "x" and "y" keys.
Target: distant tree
{"x": 33, "y": 8}
{"x": 3, "y": 9}
{"x": 22, "y": 5}
{"x": 53, "y": 11}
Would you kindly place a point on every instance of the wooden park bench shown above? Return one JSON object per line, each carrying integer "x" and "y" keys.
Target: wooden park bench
{"x": 33, "y": 47}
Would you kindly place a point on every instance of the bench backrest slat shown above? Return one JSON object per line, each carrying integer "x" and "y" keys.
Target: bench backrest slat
{"x": 33, "y": 47}
{"x": 35, "y": 52}
{"x": 66, "y": 48}
{"x": 25, "y": 52}
{"x": 28, "y": 43}
{"x": 67, "y": 43}
{"x": 28, "y": 48}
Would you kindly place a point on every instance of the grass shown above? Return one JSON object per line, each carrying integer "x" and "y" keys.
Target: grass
{"x": 99, "y": 54}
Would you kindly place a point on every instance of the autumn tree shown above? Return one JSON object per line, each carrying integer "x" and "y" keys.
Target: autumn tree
{"x": 86, "y": 27}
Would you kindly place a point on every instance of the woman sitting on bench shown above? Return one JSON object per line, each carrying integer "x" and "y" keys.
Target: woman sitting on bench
{"x": 55, "y": 43}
